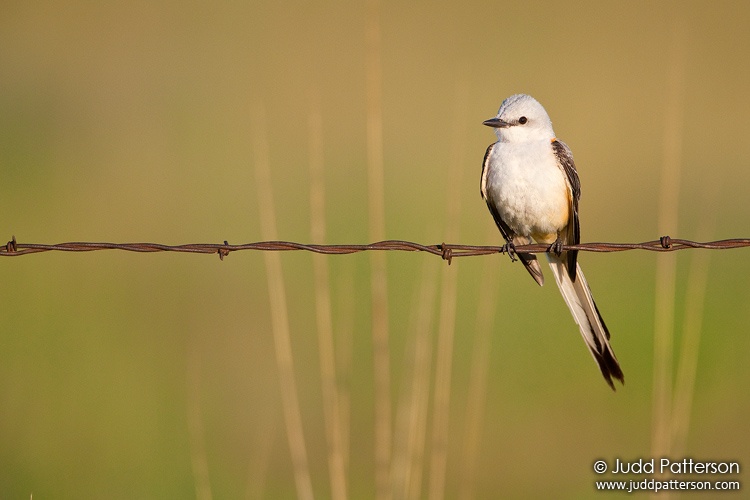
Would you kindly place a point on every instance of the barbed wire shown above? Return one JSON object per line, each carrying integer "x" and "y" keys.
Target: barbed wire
{"x": 447, "y": 251}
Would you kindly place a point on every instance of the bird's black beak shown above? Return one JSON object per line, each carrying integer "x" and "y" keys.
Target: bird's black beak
{"x": 496, "y": 123}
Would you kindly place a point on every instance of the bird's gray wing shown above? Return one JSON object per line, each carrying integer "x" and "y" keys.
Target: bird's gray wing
{"x": 572, "y": 235}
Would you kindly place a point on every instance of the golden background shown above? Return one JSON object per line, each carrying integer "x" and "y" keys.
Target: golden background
{"x": 128, "y": 375}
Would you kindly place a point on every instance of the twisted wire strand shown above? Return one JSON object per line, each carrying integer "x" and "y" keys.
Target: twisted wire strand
{"x": 447, "y": 251}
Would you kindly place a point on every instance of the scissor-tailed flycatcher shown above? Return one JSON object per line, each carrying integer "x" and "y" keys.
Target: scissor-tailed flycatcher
{"x": 531, "y": 187}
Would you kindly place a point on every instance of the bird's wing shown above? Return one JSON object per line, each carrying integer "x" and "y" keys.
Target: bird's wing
{"x": 572, "y": 233}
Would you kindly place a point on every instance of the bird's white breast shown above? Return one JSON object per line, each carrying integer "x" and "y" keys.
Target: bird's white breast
{"x": 528, "y": 188}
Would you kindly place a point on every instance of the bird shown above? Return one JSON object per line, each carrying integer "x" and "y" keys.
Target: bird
{"x": 531, "y": 187}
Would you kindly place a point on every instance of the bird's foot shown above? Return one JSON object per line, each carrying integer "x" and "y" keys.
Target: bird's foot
{"x": 556, "y": 247}
{"x": 510, "y": 249}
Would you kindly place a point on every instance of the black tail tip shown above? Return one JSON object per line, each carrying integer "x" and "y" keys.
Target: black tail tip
{"x": 610, "y": 368}
{"x": 608, "y": 379}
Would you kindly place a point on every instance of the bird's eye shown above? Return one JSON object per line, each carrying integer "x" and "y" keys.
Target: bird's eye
{"x": 522, "y": 120}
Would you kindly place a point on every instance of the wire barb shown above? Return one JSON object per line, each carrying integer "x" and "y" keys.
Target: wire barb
{"x": 224, "y": 251}
{"x": 447, "y": 253}
{"x": 11, "y": 246}
{"x": 443, "y": 250}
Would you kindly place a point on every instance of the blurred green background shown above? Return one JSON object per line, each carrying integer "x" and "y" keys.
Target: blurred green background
{"x": 133, "y": 121}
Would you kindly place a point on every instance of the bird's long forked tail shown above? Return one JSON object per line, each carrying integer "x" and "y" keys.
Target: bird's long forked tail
{"x": 577, "y": 295}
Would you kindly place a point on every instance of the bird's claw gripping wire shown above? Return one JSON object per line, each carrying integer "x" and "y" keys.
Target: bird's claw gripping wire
{"x": 556, "y": 247}
{"x": 510, "y": 249}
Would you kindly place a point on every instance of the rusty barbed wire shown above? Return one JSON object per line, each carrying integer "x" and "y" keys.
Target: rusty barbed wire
{"x": 447, "y": 251}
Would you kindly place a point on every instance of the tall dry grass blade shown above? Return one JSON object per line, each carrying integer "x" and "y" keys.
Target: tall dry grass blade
{"x": 688, "y": 361}
{"x": 197, "y": 439}
{"x": 692, "y": 325}
{"x": 376, "y": 190}
{"x": 447, "y": 321}
{"x": 279, "y": 312}
{"x": 331, "y": 411}
{"x": 666, "y": 264}
{"x": 479, "y": 376}
{"x": 344, "y": 354}
{"x": 411, "y": 423}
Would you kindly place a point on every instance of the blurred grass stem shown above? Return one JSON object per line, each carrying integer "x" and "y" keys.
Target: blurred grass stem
{"x": 695, "y": 302}
{"x": 411, "y": 428}
{"x": 331, "y": 411}
{"x": 667, "y": 222}
{"x": 279, "y": 311}
{"x": 447, "y": 320}
{"x": 344, "y": 355}
{"x": 478, "y": 377}
{"x": 376, "y": 196}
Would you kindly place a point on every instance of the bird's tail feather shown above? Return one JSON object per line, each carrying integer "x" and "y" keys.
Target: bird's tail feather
{"x": 577, "y": 295}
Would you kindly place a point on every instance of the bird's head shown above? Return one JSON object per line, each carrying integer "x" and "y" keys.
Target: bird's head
{"x": 521, "y": 118}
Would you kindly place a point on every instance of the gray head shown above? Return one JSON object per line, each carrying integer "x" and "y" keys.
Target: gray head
{"x": 521, "y": 118}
